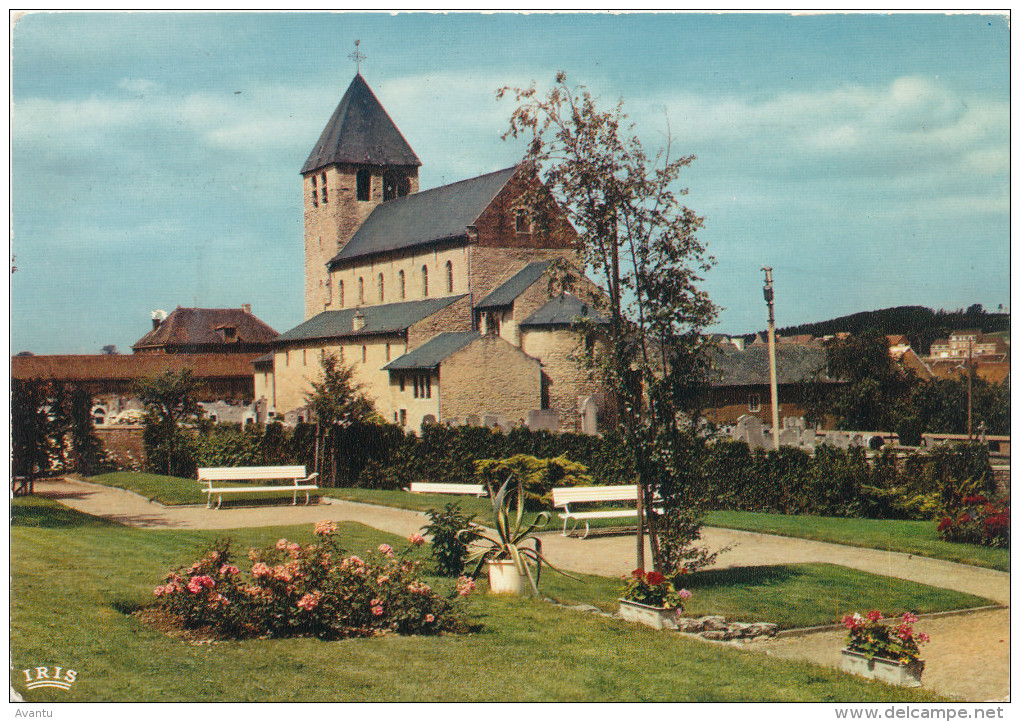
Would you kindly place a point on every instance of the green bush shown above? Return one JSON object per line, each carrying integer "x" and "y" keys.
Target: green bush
{"x": 449, "y": 544}
{"x": 539, "y": 476}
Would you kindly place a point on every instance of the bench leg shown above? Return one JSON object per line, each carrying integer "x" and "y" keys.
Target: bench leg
{"x": 220, "y": 502}
{"x": 295, "y": 498}
{"x": 307, "y": 499}
{"x": 587, "y": 529}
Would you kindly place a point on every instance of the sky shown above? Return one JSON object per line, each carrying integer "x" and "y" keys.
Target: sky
{"x": 155, "y": 157}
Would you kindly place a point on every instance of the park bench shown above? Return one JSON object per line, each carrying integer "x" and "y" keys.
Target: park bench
{"x": 421, "y": 487}
{"x": 294, "y": 474}
{"x": 586, "y": 495}
{"x": 22, "y": 485}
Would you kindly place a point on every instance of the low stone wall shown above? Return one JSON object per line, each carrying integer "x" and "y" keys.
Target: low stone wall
{"x": 123, "y": 444}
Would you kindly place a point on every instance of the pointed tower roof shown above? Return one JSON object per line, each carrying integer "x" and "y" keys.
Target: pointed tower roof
{"x": 360, "y": 131}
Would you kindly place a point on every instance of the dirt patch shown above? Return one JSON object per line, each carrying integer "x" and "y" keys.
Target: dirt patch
{"x": 171, "y": 626}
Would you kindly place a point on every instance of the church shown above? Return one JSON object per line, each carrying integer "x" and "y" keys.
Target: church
{"x": 440, "y": 299}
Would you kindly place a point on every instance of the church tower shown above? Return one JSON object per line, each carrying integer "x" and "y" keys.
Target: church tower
{"x": 360, "y": 160}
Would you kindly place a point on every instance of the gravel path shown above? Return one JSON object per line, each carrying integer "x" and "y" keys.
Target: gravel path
{"x": 967, "y": 658}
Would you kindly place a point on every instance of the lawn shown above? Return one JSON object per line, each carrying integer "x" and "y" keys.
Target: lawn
{"x": 74, "y": 577}
{"x": 910, "y": 537}
{"x": 173, "y": 490}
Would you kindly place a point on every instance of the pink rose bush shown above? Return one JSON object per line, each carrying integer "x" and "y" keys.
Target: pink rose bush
{"x": 898, "y": 642}
{"x": 318, "y": 589}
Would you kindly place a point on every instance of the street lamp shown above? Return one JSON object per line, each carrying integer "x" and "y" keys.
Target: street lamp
{"x": 769, "y": 295}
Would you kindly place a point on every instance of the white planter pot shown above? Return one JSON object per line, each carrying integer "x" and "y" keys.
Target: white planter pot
{"x": 657, "y": 617}
{"x": 504, "y": 578}
{"x": 884, "y": 670}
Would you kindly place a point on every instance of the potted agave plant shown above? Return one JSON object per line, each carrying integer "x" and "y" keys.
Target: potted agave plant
{"x": 882, "y": 651}
{"x": 651, "y": 599}
{"x": 509, "y": 558}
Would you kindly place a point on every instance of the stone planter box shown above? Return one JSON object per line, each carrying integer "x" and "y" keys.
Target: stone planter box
{"x": 884, "y": 670}
{"x": 657, "y": 617}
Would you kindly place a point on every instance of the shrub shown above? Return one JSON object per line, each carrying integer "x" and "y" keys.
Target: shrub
{"x": 977, "y": 521}
{"x": 449, "y": 539}
{"x": 307, "y": 590}
{"x": 654, "y": 590}
{"x": 538, "y": 476}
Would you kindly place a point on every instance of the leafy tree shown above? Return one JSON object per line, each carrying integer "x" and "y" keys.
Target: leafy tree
{"x": 636, "y": 235}
{"x": 873, "y": 384}
{"x": 337, "y": 400}
{"x": 110, "y": 349}
{"x": 30, "y": 432}
{"x": 170, "y": 401}
{"x": 86, "y": 448}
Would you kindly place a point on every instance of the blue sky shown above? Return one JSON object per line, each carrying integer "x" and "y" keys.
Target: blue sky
{"x": 155, "y": 157}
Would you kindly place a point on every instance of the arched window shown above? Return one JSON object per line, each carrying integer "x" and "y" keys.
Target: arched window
{"x": 325, "y": 190}
{"x": 361, "y": 289}
{"x": 449, "y": 276}
{"x": 389, "y": 191}
{"x": 340, "y": 293}
{"x": 403, "y": 287}
{"x": 364, "y": 185}
{"x": 424, "y": 280}
{"x": 382, "y": 288}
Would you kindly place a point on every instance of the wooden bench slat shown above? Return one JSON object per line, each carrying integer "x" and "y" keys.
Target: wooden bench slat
{"x": 565, "y": 496}
{"x": 423, "y": 487}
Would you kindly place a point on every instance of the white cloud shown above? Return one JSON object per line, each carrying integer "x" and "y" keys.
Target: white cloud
{"x": 138, "y": 85}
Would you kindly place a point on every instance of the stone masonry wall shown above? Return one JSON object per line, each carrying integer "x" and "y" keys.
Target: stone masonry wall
{"x": 455, "y": 317}
{"x": 330, "y": 224}
{"x": 123, "y": 444}
{"x": 567, "y": 381}
{"x": 496, "y": 226}
{"x": 489, "y": 375}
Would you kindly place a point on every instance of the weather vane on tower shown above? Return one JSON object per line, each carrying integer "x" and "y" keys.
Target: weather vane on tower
{"x": 357, "y": 56}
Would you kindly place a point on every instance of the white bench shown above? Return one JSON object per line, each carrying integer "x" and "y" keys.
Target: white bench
{"x": 422, "y": 487}
{"x": 295, "y": 474}
{"x": 567, "y": 495}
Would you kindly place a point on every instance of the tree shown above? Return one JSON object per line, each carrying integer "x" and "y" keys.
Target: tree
{"x": 30, "y": 432}
{"x": 169, "y": 401}
{"x": 872, "y": 388}
{"x": 337, "y": 401}
{"x": 637, "y": 236}
{"x": 110, "y": 349}
{"x": 86, "y": 448}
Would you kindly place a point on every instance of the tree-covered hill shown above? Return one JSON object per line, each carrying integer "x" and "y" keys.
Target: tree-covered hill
{"x": 919, "y": 324}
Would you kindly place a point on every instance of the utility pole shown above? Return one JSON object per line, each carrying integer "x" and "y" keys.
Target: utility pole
{"x": 772, "y": 355}
{"x": 970, "y": 383}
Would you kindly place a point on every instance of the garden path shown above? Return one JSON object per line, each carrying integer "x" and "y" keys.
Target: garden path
{"x": 961, "y": 646}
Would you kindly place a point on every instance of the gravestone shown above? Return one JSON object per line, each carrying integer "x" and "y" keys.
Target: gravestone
{"x": 589, "y": 416}
{"x": 543, "y": 420}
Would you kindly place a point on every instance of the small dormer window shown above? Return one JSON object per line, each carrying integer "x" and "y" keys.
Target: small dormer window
{"x": 229, "y": 333}
{"x": 364, "y": 179}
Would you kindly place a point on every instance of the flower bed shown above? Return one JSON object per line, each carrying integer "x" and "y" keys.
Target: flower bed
{"x": 308, "y": 590}
{"x": 872, "y": 639}
{"x": 978, "y": 521}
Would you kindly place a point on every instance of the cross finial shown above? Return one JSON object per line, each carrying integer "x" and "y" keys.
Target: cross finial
{"x": 357, "y": 56}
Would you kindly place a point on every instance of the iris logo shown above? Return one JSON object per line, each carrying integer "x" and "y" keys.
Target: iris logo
{"x": 42, "y": 677}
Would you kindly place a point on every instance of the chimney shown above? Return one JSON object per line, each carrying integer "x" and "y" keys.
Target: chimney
{"x": 359, "y": 320}
{"x": 157, "y": 318}
{"x": 246, "y": 307}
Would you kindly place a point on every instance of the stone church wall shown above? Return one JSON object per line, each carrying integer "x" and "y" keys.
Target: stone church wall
{"x": 489, "y": 375}
{"x": 566, "y": 381}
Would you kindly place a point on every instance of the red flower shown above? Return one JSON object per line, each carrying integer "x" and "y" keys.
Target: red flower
{"x": 874, "y": 615}
{"x": 655, "y": 578}
{"x": 638, "y": 573}
{"x": 946, "y": 523}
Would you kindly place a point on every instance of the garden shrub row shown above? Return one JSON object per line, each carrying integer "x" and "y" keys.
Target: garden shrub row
{"x": 832, "y": 482}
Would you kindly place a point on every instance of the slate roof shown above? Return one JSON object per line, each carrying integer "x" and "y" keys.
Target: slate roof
{"x": 388, "y": 318}
{"x": 360, "y": 131}
{"x": 795, "y": 363}
{"x": 201, "y": 326}
{"x": 432, "y": 353}
{"x": 562, "y": 311}
{"x": 120, "y": 367}
{"x": 442, "y": 213}
{"x": 505, "y": 294}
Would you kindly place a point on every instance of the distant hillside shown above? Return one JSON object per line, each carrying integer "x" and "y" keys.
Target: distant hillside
{"x": 919, "y": 324}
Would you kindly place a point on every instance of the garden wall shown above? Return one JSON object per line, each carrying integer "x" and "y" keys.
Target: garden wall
{"x": 123, "y": 445}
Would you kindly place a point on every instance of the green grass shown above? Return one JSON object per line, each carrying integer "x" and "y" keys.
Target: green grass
{"x": 910, "y": 537}
{"x": 174, "y": 491}
{"x": 72, "y": 577}
{"x": 790, "y": 595}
